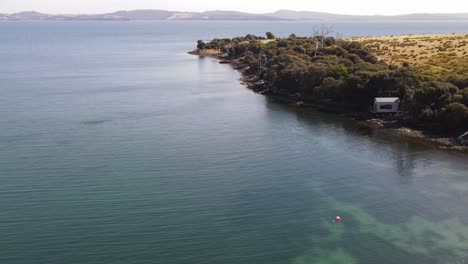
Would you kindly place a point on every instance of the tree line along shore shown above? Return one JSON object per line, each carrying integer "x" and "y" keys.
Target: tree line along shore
{"x": 429, "y": 73}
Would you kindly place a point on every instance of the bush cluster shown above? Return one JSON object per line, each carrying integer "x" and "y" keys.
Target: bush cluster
{"x": 346, "y": 72}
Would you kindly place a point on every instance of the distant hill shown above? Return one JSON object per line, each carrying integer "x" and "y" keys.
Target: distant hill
{"x": 459, "y": 16}
{"x": 307, "y": 15}
{"x": 31, "y": 15}
{"x": 230, "y": 15}
{"x": 143, "y": 15}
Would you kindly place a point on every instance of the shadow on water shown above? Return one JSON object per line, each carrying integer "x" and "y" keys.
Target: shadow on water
{"x": 95, "y": 122}
{"x": 403, "y": 151}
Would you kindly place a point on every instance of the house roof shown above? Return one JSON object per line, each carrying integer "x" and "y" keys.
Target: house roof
{"x": 387, "y": 99}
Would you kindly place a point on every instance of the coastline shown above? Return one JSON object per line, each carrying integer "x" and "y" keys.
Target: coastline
{"x": 391, "y": 125}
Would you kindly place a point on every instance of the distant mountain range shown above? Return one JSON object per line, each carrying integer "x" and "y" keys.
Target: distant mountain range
{"x": 232, "y": 16}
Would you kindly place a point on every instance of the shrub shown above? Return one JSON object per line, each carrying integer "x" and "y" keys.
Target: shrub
{"x": 371, "y": 58}
{"x": 337, "y": 71}
{"x": 270, "y": 35}
{"x": 200, "y": 44}
{"x": 455, "y": 117}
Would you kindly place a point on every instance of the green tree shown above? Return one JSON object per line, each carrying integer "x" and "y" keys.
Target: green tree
{"x": 455, "y": 117}
{"x": 270, "y": 35}
{"x": 200, "y": 44}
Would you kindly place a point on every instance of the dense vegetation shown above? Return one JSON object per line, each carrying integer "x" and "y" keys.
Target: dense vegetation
{"x": 346, "y": 73}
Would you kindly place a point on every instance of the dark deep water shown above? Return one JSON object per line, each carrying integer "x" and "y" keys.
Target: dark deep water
{"x": 118, "y": 147}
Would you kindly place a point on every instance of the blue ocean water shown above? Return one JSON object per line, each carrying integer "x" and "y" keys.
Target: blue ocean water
{"x": 118, "y": 147}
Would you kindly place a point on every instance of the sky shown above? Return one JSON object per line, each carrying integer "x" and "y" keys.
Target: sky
{"x": 355, "y": 7}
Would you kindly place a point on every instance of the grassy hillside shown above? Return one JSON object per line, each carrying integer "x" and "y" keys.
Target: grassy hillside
{"x": 439, "y": 55}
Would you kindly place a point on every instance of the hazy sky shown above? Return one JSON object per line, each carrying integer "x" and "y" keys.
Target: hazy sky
{"x": 360, "y": 7}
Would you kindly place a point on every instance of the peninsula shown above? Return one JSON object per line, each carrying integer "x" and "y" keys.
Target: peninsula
{"x": 427, "y": 72}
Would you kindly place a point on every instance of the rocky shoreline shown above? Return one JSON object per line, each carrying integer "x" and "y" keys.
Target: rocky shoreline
{"x": 391, "y": 125}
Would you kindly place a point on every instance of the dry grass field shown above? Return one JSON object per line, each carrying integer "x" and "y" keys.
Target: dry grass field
{"x": 442, "y": 55}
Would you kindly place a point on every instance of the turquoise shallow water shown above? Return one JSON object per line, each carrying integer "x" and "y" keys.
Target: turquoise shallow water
{"x": 118, "y": 147}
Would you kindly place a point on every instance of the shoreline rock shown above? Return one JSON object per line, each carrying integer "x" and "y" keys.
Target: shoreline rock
{"x": 206, "y": 53}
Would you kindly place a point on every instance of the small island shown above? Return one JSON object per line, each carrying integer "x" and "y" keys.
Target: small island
{"x": 428, "y": 73}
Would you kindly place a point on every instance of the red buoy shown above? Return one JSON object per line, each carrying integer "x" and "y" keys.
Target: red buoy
{"x": 338, "y": 218}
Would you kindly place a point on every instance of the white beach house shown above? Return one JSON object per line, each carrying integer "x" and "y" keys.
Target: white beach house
{"x": 386, "y": 104}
